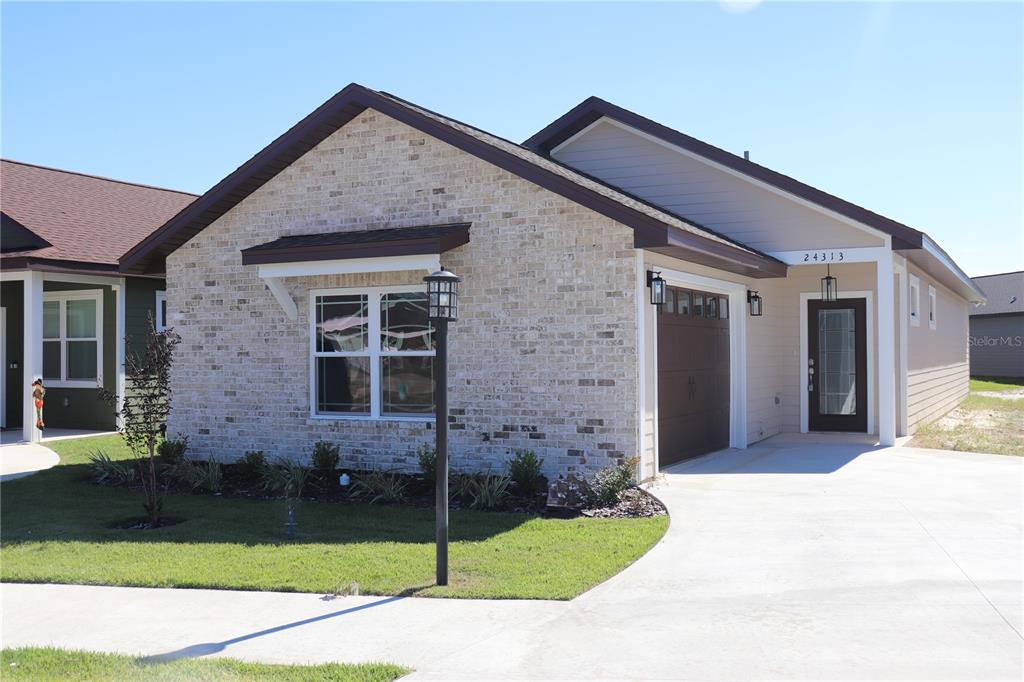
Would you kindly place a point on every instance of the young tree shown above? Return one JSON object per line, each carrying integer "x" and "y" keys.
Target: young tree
{"x": 144, "y": 409}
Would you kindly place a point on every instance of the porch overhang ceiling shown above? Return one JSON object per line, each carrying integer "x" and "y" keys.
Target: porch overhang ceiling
{"x": 341, "y": 253}
{"x": 689, "y": 247}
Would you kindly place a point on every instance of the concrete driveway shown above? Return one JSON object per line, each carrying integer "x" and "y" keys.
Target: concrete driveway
{"x": 790, "y": 560}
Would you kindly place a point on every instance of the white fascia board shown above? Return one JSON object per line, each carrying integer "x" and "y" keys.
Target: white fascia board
{"x": 347, "y": 266}
{"x": 938, "y": 254}
{"x": 832, "y": 256}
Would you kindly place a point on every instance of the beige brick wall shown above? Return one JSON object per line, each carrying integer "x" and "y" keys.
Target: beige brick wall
{"x": 543, "y": 356}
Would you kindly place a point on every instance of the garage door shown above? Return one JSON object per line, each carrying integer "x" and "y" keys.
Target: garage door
{"x": 693, "y": 374}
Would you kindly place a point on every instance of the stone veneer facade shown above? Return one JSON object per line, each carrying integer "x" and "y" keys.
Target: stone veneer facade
{"x": 543, "y": 357}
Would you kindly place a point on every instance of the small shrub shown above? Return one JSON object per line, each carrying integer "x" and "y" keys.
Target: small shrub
{"x": 252, "y": 464}
{"x": 524, "y": 468}
{"x": 172, "y": 450}
{"x": 326, "y": 456}
{"x": 380, "y": 486}
{"x": 460, "y": 487}
{"x": 428, "y": 464}
{"x": 108, "y": 471}
{"x": 489, "y": 492}
{"x": 206, "y": 476}
{"x": 287, "y": 478}
{"x": 603, "y": 490}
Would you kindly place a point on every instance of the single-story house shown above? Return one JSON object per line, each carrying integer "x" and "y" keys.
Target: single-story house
{"x": 997, "y": 327}
{"x": 296, "y": 284}
{"x": 65, "y": 309}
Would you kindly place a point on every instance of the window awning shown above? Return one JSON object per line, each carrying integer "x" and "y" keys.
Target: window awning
{"x": 339, "y": 253}
{"x": 398, "y": 241}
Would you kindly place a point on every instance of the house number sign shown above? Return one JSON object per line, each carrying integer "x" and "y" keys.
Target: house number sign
{"x": 823, "y": 257}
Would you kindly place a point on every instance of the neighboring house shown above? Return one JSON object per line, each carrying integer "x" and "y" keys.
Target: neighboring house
{"x": 296, "y": 285}
{"x": 997, "y": 327}
{"x": 65, "y": 307}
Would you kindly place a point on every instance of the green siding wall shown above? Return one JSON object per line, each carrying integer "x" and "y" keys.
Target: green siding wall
{"x": 77, "y": 407}
{"x": 12, "y": 298}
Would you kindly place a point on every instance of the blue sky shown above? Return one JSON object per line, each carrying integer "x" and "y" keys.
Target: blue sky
{"x": 913, "y": 110}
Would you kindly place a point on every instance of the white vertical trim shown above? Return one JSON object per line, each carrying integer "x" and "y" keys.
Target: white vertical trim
{"x": 901, "y": 387}
{"x": 120, "y": 291}
{"x": 737, "y": 344}
{"x": 869, "y": 337}
{"x": 159, "y": 302}
{"x": 641, "y": 358}
{"x": 32, "y": 351}
{"x": 886, "y": 352}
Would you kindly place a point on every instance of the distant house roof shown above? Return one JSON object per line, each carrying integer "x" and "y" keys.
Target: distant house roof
{"x": 1005, "y": 294}
{"x": 654, "y": 228}
{"x": 67, "y": 220}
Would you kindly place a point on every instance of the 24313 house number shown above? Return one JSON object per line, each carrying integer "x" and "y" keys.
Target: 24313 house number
{"x": 823, "y": 256}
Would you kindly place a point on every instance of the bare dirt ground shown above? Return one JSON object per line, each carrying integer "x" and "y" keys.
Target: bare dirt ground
{"x": 987, "y": 421}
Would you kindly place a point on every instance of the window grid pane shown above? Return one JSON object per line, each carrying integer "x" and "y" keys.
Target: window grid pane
{"x": 342, "y": 323}
{"x": 51, "y": 319}
{"x": 51, "y": 360}
{"x": 407, "y": 384}
{"x": 82, "y": 360}
{"x": 343, "y": 385}
{"x": 81, "y": 318}
{"x": 403, "y": 323}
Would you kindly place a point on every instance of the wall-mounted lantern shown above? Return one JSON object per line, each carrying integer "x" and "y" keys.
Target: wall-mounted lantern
{"x": 756, "y": 303}
{"x": 829, "y": 286}
{"x": 657, "y": 286}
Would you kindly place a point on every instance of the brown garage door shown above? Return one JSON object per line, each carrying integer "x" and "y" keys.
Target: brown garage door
{"x": 693, "y": 374}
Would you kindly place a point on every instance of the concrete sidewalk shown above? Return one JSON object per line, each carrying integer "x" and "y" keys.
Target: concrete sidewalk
{"x": 24, "y": 459}
{"x": 790, "y": 560}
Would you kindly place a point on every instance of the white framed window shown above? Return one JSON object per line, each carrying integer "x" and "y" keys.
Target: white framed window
{"x": 160, "y": 311}
{"x": 371, "y": 354}
{"x": 915, "y": 301}
{"x": 73, "y": 338}
{"x": 933, "y": 306}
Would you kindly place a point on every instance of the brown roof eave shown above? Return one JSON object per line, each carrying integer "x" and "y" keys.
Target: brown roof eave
{"x": 692, "y": 248}
{"x": 332, "y": 115}
{"x": 54, "y": 265}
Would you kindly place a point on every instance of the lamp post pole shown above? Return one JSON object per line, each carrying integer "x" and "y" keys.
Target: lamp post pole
{"x": 441, "y": 447}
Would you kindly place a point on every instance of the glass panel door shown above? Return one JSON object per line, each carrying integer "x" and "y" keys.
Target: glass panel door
{"x": 837, "y": 362}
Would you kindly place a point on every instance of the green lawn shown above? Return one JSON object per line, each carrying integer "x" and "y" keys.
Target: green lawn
{"x": 995, "y": 384}
{"x": 54, "y": 529}
{"x": 38, "y": 664}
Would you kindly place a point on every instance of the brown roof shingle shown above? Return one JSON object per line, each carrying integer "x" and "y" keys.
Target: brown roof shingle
{"x": 85, "y": 218}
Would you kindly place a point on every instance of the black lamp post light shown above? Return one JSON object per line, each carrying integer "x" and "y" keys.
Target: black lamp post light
{"x": 829, "y": 286}
{"x": 442, "y": 308}
{"x": 657, "y": 287}
{"x": 755, "y": 302}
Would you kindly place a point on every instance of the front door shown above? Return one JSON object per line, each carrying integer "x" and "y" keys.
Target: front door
{"x": 837, "y": 365}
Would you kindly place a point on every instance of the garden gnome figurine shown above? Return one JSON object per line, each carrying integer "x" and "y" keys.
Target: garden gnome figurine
{"x": 38, "y": 391}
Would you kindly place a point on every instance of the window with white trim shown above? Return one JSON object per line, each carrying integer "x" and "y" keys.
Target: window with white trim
{"x": 933, "y": 305}
{"x": 915, "y": 301}
{"x": 160, "y": 311}
{"x": 73, "y": 338}
{"x": 372, "y": 353}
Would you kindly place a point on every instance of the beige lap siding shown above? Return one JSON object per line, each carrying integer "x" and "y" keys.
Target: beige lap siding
{"x": 937, "y": 359}
{"x": 543, "y": 356}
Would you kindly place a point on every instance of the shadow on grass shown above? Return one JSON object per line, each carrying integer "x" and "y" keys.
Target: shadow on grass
{"x": 62, "y": 504}
{"x": 208, "y": 648}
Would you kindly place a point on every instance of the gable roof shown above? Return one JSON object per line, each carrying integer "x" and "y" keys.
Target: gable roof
{"x": 73, "y": 220}
{"x": 593, "y": 109}
{"x": 653, "y": 227}
{"x": 1005, "y": 293}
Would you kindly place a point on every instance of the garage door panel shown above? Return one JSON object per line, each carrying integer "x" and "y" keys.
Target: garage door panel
{"x": 693, "y": 378}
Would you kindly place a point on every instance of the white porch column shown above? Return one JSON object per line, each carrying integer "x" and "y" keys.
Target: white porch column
{"x": 32, "y": 352}
{"x": 120, "y": 290}
{"x": 886, "y": 349}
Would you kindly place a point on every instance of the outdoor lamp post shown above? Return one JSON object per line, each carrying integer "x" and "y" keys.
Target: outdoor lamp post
{"x": 442, "y": 308}
{"x": 829, "y": 286}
